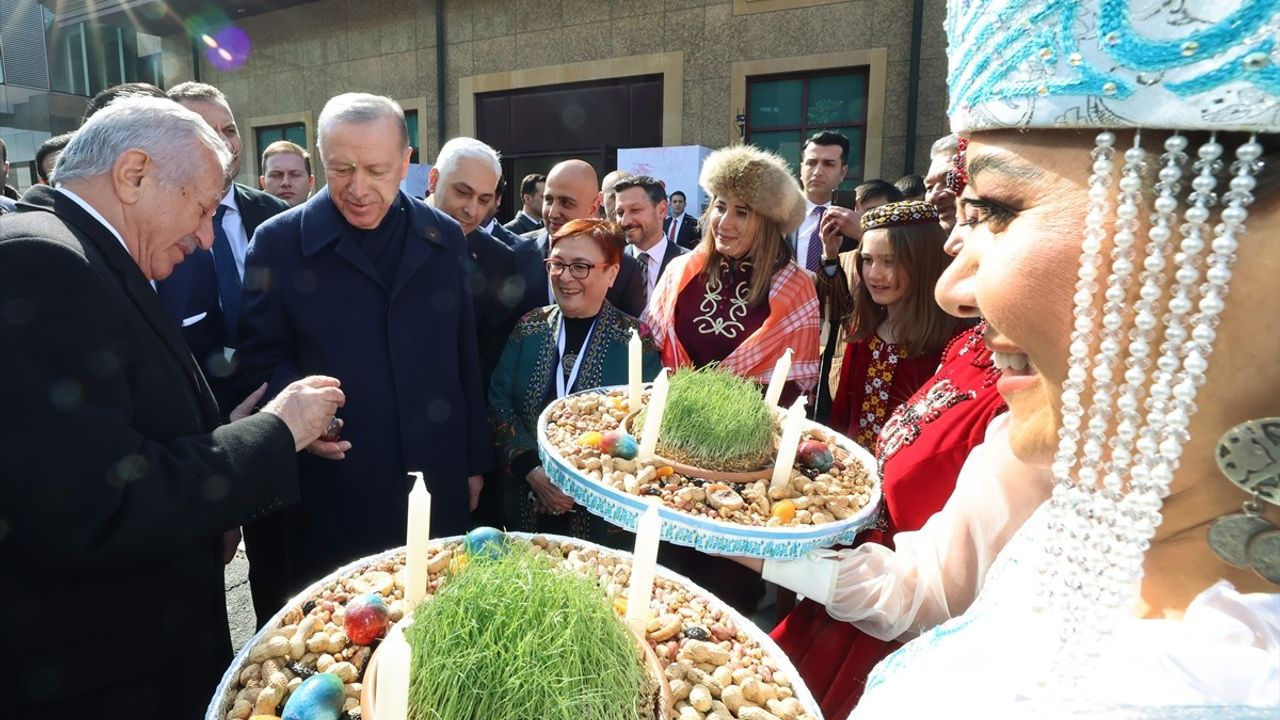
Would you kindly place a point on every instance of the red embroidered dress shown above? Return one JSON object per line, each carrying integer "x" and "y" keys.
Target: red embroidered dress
{"x": 875, "y": 379}
{"x": 920, "y": 450}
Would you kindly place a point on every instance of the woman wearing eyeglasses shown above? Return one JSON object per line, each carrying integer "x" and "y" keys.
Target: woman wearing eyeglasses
{"x": 576, "y": 344}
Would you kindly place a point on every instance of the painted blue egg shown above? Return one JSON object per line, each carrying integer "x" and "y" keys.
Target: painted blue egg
{"x": 619, "y": 444}
{"x": 319, "y": 697}
{"x": 486, "y": 542}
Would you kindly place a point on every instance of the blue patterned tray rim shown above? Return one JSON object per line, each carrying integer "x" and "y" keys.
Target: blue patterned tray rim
{"x": 706, "y": 534}
{"x": 223, "y": 696}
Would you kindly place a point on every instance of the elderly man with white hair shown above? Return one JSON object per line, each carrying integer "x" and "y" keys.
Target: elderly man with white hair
{"x": 117, "y": 480}
{"x": 370, "y": 285}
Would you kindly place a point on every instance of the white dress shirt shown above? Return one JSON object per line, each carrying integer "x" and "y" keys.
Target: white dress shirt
{"x": 656, "y": 255}
{"x": 233, "y": 226}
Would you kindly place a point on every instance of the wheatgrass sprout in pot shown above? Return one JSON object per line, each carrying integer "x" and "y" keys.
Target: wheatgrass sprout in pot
{"x": 717, "y": 420}
{"x": 516, "y": 637}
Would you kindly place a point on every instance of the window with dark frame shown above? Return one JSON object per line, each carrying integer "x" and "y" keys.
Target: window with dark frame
{"x": 295, "y": 133}
{"x": 783, "y": 110}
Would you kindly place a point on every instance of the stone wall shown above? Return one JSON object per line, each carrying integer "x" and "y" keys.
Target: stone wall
{"x": 304, "y": 55}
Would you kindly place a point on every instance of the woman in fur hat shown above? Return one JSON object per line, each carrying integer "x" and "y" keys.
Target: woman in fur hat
{"x": 738, "y": 299}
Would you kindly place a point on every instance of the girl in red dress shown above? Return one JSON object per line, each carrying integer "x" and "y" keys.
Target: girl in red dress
{"x": 897, "y": 330}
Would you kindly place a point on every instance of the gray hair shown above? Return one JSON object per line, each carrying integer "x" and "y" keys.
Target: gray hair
{"x": 163, "y": 129}
{"x": 946, "y": 145}
{"x": 359, "y": 109}
{"x": 196, "y": 92}
{"x": 465, "y": 148}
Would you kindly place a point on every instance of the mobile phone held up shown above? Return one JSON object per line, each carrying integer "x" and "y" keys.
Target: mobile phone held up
{"x": 843, "y": 198}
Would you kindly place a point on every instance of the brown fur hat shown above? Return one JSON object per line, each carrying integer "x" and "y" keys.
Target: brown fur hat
{"x": 759, "y": 178}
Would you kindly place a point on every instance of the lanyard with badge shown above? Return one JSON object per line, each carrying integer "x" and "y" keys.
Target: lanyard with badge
{"x": 563, "y": 385}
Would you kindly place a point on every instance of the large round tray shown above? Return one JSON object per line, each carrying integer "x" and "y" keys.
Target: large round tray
{"x": 223, "y": 696}
{"x": 706, "y": 534}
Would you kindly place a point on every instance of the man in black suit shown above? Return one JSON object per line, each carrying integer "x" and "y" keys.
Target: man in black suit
{"x": 681, "y": 229}
{"x": 572, "y": 193}
{"x": 530, "y": 216}
{"x": 462, "y": 185}
{"x": 640, "y": 206}
{"x": 116, "y": 477}
{"x": 204, "y": 295}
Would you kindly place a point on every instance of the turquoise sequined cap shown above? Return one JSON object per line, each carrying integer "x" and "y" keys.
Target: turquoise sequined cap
{"x": 1179, "y": 65}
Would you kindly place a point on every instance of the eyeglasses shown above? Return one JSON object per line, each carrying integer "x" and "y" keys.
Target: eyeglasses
{"x": 578, "y": 270}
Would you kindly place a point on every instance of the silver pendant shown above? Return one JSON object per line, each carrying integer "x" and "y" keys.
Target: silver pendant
{"x": 1249, "y": 455}
{"x": 1264, "y": 555}
{"x": 1229, "y": 536}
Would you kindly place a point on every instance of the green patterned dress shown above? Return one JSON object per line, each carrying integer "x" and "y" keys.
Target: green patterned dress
{"x": 523, "y": 384}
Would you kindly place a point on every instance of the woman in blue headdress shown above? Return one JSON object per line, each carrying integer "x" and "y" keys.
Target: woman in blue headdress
{"x": 1119, "y": 236}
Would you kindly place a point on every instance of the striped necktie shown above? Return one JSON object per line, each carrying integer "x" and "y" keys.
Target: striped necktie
{"x": 813, "y": 258}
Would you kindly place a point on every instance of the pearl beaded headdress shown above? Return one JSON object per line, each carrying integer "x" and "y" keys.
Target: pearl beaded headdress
{"x": 1134, "y": 369}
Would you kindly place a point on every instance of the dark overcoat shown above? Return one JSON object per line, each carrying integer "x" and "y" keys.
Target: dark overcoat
{"x": 406, "y": 356}
{"x": 116, "y": 482}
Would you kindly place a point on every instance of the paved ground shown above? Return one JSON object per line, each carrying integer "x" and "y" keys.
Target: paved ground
{"x": 239, "y": 605}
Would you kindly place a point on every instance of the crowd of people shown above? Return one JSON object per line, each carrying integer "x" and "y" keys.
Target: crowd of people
{"x": 1021, "y": 337}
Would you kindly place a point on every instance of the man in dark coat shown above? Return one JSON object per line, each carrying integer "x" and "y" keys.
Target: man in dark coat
{"x": 572, "y": 192}
{"x": 463, "y": 185}
{"x": 369, "y": 285}
{"x": 116, "y": 477}
{"x": 686, "y": 233}
{"x": 204, "y": 294}
{"x": 530, "y": 216}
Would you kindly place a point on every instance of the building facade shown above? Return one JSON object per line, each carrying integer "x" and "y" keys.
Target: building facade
{"x": 542, "y": 80}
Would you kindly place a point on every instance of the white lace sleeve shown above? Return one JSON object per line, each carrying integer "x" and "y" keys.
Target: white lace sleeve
{"x": 935, "y": 572}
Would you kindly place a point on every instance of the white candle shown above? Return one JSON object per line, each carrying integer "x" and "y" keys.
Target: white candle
{"x": 415, "y": 563}
{"x": 653, "y": 416}
{"x": 635, "y": 363}
{"x": 644, "y": 562}
{"x": 779, "y": 378}
{"x": 394, "y": 659}
{"x": 787, "y": 446}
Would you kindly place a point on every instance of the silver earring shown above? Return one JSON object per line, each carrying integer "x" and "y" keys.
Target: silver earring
{"x": 1249, "y": 455}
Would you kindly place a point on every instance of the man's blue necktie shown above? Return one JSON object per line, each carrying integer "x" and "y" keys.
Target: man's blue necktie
{"x": 229, "y": 284}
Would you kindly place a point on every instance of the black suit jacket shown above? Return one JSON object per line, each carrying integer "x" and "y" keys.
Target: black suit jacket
{"x": 502, "y": 234}
{"x": 497, "y": 292}
{"x": 627, "y": 293}
{"x": 190, "y": 296}
{"x": 521, "y": 225}
{"x": 117, "y": 481}
{"x": 689, "y": 234}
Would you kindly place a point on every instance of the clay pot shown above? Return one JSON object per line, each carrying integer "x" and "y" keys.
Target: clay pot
{"x": 663, "y": 705}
